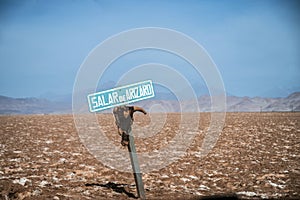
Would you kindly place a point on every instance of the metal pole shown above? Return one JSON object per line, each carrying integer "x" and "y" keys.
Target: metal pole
{"x": 136, "y": 168}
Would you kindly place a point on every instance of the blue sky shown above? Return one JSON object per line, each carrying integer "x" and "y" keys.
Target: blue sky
{"x": 255, "y": 44}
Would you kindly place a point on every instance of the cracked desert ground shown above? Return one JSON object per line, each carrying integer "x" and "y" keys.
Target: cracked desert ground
{"x": 256, "y": 156}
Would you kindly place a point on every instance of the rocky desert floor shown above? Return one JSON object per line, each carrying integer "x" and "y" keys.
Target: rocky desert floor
{"x": 257, "y": 156}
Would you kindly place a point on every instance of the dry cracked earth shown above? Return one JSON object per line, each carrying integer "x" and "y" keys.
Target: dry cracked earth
{"x": 257, "y": 156}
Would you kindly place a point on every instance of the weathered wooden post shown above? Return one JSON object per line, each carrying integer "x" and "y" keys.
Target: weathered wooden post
{"x": 118, "y": 97}
{"x": 136, "y": 168}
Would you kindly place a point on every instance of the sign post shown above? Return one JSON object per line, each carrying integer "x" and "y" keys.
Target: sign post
{"x": 121, "y": 96}
{"x": 136, "y": 168}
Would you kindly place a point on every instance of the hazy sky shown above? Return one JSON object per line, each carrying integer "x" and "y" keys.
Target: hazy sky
{"x": 255, "y": 44}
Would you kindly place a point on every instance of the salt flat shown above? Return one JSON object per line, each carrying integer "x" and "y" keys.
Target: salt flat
{"x": 257, "y": 156}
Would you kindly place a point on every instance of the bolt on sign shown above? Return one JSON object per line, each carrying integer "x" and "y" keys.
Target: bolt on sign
{"x": 120, "y": 96}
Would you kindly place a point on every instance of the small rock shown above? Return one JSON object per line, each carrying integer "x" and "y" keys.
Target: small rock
{"x": 193, "y": 177}
{"x": 185, "y": 179}
{"x": 44, "y": 183}
{"x": 49, "y": 142}
{"x": 203, "y": 187}
{"x": 22, "y": 181}
{"x": 62, "y": 160}
{"x": 36, "y": 192}
{"x": 248, "y": 194}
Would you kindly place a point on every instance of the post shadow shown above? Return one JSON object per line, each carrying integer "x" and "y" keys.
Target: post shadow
{"x": 117, "y": 187}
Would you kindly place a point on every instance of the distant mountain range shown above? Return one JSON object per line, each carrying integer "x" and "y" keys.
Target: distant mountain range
{"x": 10, "y": 105}
{"x": 234, "y": 104}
